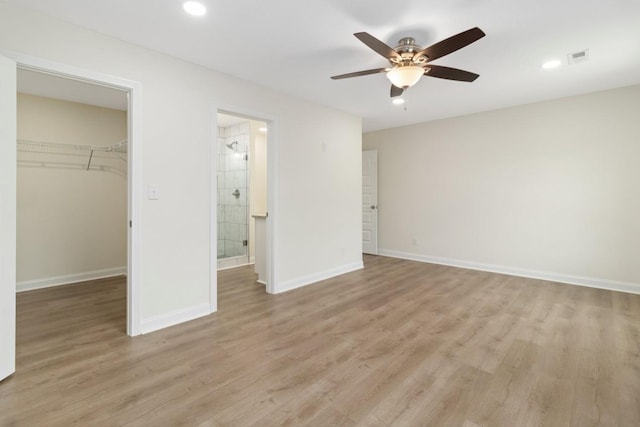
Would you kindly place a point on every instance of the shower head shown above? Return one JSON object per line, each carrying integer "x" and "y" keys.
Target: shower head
{"x": 231, "y": 145}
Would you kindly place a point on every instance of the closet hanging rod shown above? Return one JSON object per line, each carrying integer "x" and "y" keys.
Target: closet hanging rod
{"x": 54, "y": 147}
{"x": 111, "y": 158}
{"x": 115, "y": 151}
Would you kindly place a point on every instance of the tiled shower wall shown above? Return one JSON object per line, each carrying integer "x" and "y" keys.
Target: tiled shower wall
{"x": 233, "y": 175}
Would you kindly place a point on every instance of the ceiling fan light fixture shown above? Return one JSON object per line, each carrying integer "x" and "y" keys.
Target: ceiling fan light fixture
{"x": 405, "y": 76}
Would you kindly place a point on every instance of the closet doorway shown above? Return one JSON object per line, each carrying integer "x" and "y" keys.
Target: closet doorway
{"x": 73, "y": 180}
{"x": 241, "y": 185}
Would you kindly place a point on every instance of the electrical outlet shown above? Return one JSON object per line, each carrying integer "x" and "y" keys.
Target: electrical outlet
{"x": 414, "y": 241}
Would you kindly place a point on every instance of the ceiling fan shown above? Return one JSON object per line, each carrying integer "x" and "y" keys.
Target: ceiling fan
{"x": 409, "y": 61}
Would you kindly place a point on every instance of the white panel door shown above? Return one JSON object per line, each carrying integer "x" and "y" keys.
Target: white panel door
{"x": 370, "y": 202}
{"x": 8, "y": 163}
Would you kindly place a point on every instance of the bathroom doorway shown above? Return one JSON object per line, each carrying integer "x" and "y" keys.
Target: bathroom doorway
{"x": 241, "y": 177}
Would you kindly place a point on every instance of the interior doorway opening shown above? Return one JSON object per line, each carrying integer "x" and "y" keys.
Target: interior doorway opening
{"x": 10, "y": 63}
{"x": 75, "y": 137}
{"x": 241, "y": 186}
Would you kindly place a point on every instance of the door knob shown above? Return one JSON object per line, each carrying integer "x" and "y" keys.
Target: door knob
{"x": 373, "y": 206}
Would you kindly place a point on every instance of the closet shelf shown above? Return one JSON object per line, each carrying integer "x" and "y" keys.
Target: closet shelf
{"x": 112, "y": 158}
{"x": 115, "y": 151}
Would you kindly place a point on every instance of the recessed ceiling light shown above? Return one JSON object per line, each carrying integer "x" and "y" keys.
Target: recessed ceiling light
{"x": 194, "y": 8}
{"x": 397, "y": 101}
{"x": 551, "y": 64}
{"x": 262, "y": 129}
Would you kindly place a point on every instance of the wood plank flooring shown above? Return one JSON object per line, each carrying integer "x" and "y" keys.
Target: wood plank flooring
{"x": 398, "y": 343}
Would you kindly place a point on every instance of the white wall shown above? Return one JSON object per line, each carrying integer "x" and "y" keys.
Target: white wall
{"x": 71, "y": 223}
{"x": 318, "y": 202}
{"x": 257, "y": 178}
{"x": 549, "y": 189}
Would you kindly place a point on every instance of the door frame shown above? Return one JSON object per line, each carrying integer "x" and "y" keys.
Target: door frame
{"x": 8, "y": 166}
{"x": 272, "y": 193}
{"x": 133, "y": 89}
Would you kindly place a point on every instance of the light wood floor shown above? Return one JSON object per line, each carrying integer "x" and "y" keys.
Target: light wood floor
{"x": 399, "y": 343}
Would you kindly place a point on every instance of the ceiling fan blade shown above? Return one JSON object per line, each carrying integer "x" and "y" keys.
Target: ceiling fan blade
{"x": 450, "y": 73}
{"x": 396, "y": 91}
{"x": 359, "y": 73}
{"x": 378, "y": 46}
{"x": 451, "y": 44}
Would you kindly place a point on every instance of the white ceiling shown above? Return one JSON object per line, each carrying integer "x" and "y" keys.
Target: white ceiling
{"x": 226, "y": 120}
{"x": 294, "y": 46}
{"x": 42, "y": 84}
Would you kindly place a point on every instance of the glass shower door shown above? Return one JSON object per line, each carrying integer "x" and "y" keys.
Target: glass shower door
{"x": 233, "y": 192}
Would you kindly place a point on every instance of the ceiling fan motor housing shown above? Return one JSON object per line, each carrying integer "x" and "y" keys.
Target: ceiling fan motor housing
{"x": 407, "y": 49}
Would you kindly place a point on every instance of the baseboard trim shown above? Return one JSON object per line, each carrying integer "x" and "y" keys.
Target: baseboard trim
{"x": 299, "y": 282}
{"x": 610, "y": 285}
{"x": 233, "y": 262}
{"x": 174, "y": 318}
{"x": 30, "y": 285}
